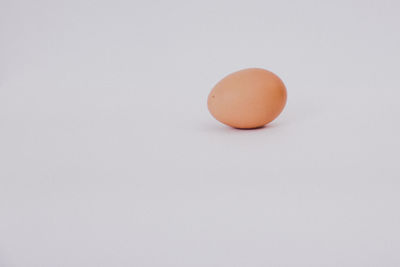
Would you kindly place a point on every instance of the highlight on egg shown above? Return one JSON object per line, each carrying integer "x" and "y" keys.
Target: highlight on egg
{"x": 246, "y": 99}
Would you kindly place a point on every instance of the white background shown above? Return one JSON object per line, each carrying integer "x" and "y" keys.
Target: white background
{"x": 109, "y": 157}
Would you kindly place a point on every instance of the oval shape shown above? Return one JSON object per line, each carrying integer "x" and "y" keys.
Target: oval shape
{"x": 248, "y": 98}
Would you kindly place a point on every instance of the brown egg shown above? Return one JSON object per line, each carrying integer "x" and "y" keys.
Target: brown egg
{"x": 248, "y": 98}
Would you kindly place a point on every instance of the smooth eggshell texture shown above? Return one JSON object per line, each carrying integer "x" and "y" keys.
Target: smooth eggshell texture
{"x": 249, "y": 98}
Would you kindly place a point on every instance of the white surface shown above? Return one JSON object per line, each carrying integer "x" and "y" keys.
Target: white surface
{"x": 108, "y": 156}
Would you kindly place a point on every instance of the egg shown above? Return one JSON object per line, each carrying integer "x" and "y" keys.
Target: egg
{"x": 246, "y": 99}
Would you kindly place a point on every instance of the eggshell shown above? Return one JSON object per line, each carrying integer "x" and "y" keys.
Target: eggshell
{"x": 248, "y": 98}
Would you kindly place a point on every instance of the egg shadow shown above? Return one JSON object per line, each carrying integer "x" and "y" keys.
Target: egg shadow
{"x": 250, "y": 129}
{"x": 222, "y": 128}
